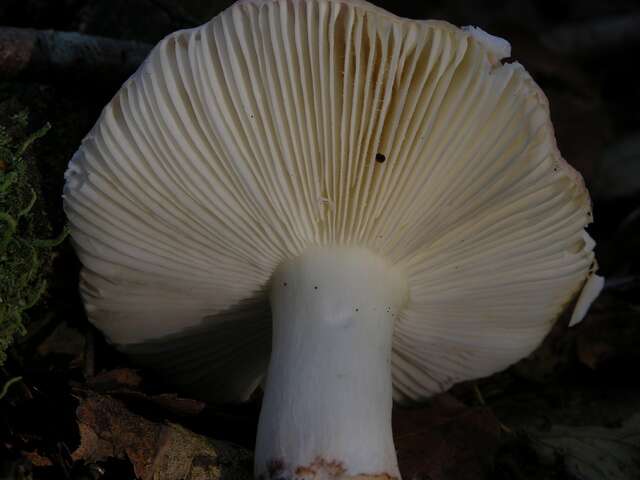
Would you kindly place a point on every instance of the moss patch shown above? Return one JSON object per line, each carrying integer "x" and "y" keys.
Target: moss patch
{"x": 25, "y": 243}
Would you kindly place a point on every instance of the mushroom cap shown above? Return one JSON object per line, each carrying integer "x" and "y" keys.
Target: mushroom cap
{"x": 281, "y": 125}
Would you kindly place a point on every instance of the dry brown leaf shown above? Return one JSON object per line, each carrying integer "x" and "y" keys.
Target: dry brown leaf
{"x": 125, "y": 383}
{"x": 117, "y": 378}
{"x": 36, "y": 459}
{"x": 157, "y": 451}
{"x": 178, "y": 405}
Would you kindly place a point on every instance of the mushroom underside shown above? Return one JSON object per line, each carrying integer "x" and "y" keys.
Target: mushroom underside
{"x": 283, "y": 129}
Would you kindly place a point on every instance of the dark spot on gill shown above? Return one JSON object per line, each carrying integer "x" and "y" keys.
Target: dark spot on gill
{"x": 380, "y": 158}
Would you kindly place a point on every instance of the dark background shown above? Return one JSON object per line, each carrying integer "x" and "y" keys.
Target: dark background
{"x": 584, "y": 55}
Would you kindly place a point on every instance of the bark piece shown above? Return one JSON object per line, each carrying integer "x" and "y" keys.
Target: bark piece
{"x": 26, "y": 52}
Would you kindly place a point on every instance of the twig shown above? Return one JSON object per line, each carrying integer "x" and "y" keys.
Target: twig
{"x": 28, "y": 53}
{"x": 594, "y": 37}
{"x": 483, "y": 403}
{"x": 7, "y": 385}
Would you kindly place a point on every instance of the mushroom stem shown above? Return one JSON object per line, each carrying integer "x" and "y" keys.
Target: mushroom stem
{"x": 326, "y": 411}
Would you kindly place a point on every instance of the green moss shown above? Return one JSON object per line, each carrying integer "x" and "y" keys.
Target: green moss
{"x": 25, "y": 251}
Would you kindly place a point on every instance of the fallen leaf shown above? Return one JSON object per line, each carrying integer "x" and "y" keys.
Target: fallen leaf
{"x": 158, "y": 451}
{"x": 36, "y": 459}
{"x": 178, "y": 405}
{"x": 446, "y": 440}
{"x": 113, "y": 379}
{"x": 64, "y": 340}
{"x": 592, "y": 453}
{"x": 125, "y": 384}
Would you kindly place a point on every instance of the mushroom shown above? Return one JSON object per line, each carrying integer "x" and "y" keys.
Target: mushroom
{"x": 340, "y": 204}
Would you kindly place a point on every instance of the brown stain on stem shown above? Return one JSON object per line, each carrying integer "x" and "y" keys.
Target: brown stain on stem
{"x": 320, "y": 469}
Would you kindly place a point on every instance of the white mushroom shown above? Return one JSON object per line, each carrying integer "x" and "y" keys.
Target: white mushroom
{"x": 385, "y": 192}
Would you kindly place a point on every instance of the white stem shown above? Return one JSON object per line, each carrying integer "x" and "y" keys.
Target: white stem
{"x": 326, "y": 411}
